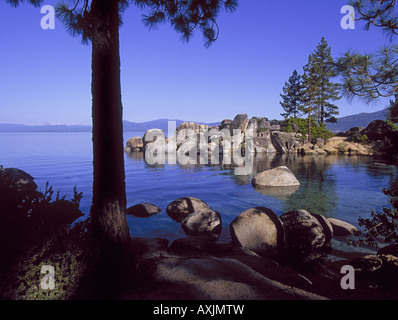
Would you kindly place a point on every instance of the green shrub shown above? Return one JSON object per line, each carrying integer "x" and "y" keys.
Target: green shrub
{"x": 317, "y": 131}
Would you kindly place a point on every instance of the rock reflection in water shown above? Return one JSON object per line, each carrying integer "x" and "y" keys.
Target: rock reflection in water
{"x": 281, "y": 193}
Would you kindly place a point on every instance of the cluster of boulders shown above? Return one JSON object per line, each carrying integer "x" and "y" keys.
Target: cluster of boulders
{"x": 336, "y": 145}
{"x": 195, "y": 216}
{"x": 267, "y": 137}
{"x": 257, "y": 230}
{"x": 230, "y": 135}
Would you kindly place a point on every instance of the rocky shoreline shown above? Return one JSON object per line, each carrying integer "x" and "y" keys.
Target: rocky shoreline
{"x": 291, "y": 256}
{"x": 269, "y": 257}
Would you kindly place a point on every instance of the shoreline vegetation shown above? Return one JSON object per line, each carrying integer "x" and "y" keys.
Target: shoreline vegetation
{"x": 287, "y": 257}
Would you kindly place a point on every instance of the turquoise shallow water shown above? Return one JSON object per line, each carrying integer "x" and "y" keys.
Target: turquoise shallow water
{"x": 335, "y": 186}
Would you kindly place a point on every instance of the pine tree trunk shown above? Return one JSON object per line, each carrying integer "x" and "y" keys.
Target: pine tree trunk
{"x": 108, "y": 211}
{"x": 309, "y": 116}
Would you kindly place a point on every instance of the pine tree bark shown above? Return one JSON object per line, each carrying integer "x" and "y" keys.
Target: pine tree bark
{"x": 108, "y": 211}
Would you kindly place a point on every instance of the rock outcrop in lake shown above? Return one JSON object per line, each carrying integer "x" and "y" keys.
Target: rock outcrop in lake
{"x": 267, "y": 137}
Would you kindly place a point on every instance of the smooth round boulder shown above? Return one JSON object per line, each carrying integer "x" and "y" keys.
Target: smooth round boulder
{"x": 303, "y": 231}
{"x": 205, "y": 222}
{"x": 342, "y": 228}
{"x": 278, "y": 177}
{"x": 180, "y": 208}
{"x": 259, "y": 230}
{"x": 143, "y": 210}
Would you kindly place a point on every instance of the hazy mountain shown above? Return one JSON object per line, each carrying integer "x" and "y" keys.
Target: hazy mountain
{"x": 357, "y": 120}
{"x": 7, "y": 127}
{"x": 128, "y": 126}
{"x": 342, "y": 125}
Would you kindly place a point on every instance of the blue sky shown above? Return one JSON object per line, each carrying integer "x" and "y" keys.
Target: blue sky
{"x": 45, "y": 75}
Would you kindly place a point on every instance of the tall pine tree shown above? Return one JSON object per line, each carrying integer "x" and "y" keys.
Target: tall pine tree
{"x": 292, "y": 96}
{"x": 311, "y": 84}
{"x": 328, "y": 91}
{"x": 319, "y": 90}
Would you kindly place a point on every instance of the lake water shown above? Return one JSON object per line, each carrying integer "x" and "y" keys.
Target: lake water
{"x": 335, "y": 186}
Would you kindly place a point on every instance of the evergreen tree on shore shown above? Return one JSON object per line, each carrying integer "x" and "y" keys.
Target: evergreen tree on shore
{"x": 292, "y": 96}
{"x": 311, "y": 85}
{"x": 319, "y": 91}
{"x": 328, "y": 91}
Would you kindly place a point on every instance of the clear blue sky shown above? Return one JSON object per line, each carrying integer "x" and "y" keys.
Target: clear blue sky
{"x": 45, "y": 75}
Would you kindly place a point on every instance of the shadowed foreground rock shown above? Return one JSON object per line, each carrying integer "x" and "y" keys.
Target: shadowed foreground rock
{"x": 227, "y": 273}
{"x": 259, "y": 230}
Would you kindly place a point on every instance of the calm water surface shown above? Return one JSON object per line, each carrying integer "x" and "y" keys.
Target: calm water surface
{"x": 334, "y": 186}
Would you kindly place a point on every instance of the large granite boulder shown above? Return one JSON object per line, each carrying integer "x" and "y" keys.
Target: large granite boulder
{"x": 259, "y": 230}
{"x": 278, "y": 177}
{"x": 180, "y": 208}
{"x": 205, "y": 222}
{"x": 303, "y": 231}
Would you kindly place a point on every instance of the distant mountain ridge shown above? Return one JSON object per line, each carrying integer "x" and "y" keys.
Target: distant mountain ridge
{"x": 357, "y": 120}
{"x": 342, "y": 125}
{"x": 128, "y": 126}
